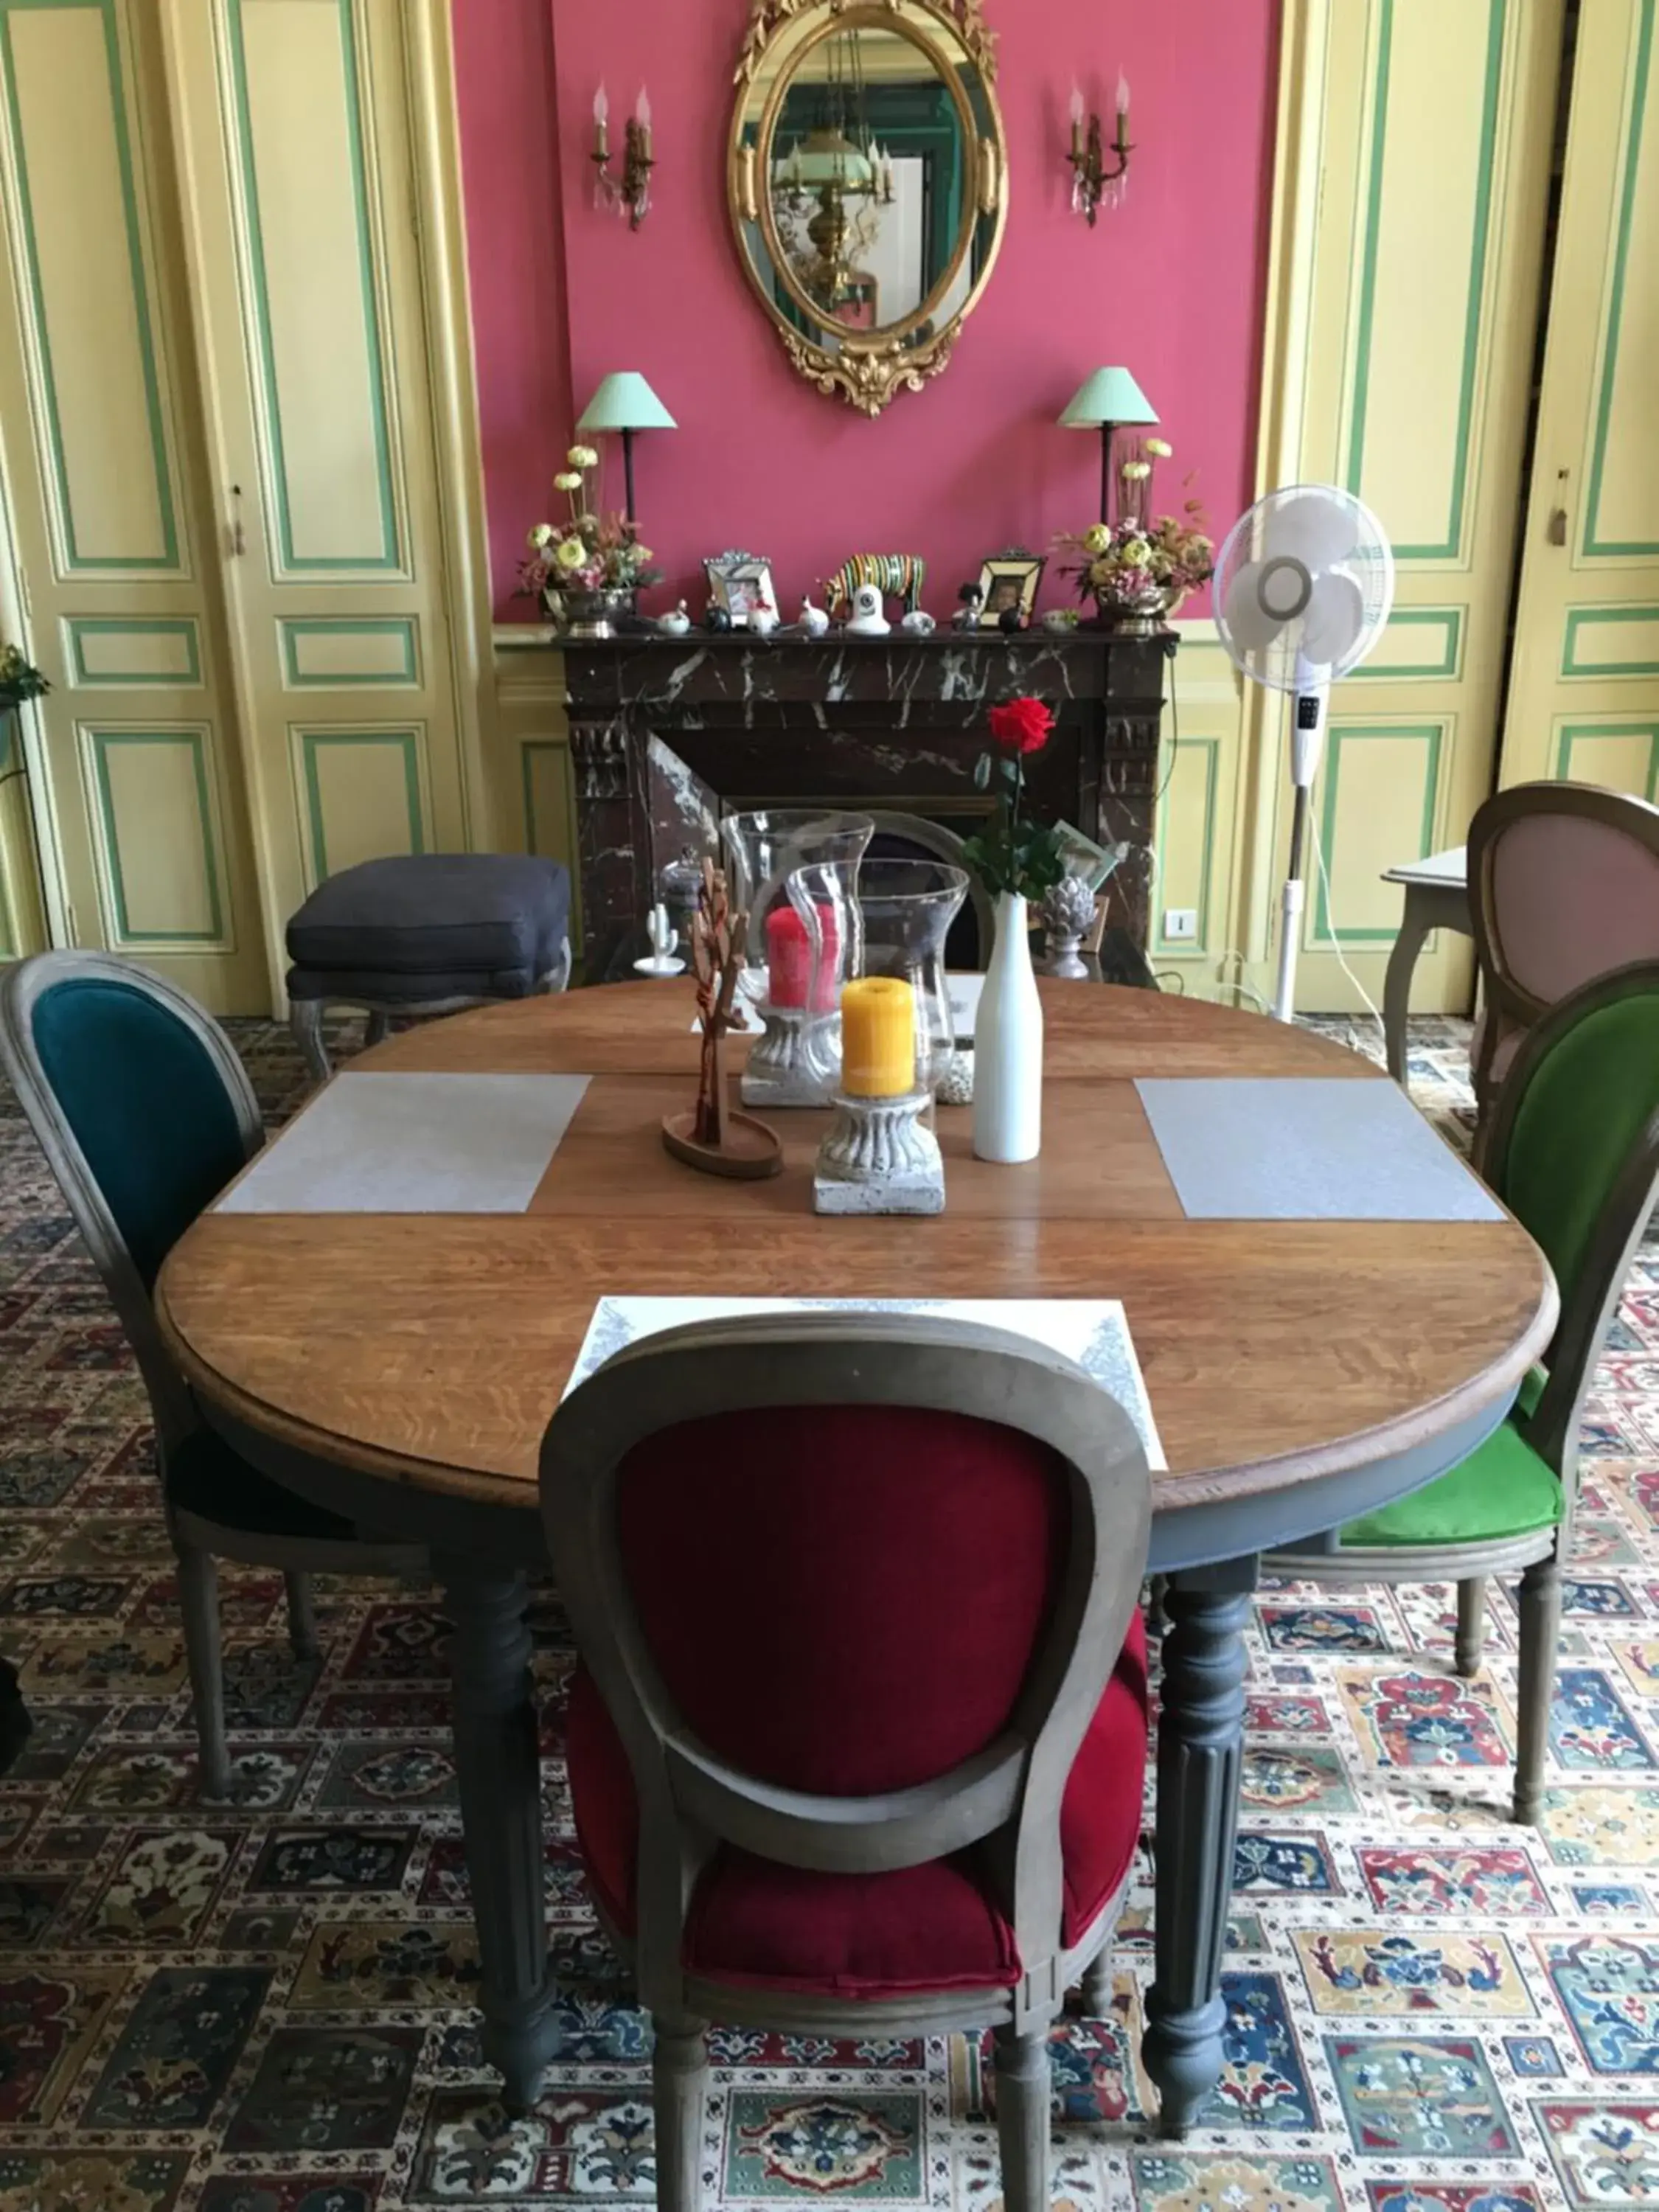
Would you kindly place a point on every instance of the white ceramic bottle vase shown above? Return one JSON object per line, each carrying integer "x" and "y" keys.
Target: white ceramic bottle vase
{"x": 1008, "y": 1046}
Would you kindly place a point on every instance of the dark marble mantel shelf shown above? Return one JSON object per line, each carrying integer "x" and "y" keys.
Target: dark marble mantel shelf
{"x": 667, "y": 733}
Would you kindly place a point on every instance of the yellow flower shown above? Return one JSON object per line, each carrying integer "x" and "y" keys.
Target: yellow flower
{"x": 1137, "y": 552}
{"x": 1097, "y": 539}
{"x": 1160, "y": 448}
{"x": 540, "y": 536}
{"x": 645, "y": 553}
{"x": 582, "y": 457}
{"x": 568, "y": 480}
{"x": 1137, "y": 471}
{"x": 571, "y": 554}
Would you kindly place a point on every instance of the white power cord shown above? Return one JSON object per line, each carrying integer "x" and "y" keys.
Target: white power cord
{"x": 1336, "y": 935}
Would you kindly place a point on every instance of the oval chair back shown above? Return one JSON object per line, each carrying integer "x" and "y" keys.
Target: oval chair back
{"x": 145, "y": 1114}
{"x": 1564, "y": 886}
{"x": 851, "y": 1588}
{"x": 1573, "y": 1152}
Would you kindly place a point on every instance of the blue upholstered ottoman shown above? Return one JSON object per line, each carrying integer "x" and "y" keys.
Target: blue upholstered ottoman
{"x": 426, "y": 934}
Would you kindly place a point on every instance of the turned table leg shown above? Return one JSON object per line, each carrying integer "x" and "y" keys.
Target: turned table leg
{"x": 499, "y": 1776}
{"x": 1199, "y": 1748}
{"x": 1414, "y": 927}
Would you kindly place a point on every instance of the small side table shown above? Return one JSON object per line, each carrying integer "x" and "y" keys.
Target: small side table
{"x": 1436, "y": 897}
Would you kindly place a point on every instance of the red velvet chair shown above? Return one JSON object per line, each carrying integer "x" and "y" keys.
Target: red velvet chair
{"x": 860, "y": 1735}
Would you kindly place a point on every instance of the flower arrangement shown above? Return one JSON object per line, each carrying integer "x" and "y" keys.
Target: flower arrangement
{"x": 591, "y": 552}
{"x": 19, "y": 679}
{"x": 1013, "y": 853}
{"x": 1136, "y": 565}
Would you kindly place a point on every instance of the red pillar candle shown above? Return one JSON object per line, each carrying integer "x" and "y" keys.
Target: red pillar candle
{"x": 789, "y": 977}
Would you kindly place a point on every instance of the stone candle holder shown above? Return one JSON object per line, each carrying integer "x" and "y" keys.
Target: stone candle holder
{"x": 794, "y": 1060}
{"x": 880, "y": 1157}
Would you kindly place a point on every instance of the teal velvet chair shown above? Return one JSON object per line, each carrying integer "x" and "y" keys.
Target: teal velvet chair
{"x": 1572, "y": 1150}
{"x": 144, "y": 1115}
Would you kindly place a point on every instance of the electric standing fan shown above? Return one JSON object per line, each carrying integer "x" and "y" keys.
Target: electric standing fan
{"x": 1303, "y": 588}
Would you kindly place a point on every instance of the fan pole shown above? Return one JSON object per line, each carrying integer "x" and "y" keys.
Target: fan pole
{"x": 1309, "y": 702}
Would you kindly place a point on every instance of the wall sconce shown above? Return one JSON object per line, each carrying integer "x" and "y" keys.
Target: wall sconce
{"x": 1091, "y": 179}
{"x": 630, "y": 195}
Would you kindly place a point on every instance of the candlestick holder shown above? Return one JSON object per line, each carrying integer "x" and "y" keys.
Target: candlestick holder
{"x": 880, "y": 1157}
{"x": 1093, "y": 178}
{"x": 795, "y": 1060}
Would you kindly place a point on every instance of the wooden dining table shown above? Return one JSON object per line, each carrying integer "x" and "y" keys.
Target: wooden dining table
{"x": 401, "y": 1367}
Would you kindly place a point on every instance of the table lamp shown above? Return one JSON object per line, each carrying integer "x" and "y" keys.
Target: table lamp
{"x": 625, "y": 402}
{"x": 1110, "y": 398}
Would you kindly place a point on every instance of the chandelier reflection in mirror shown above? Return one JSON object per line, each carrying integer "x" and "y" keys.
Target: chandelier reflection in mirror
{"x": 868, "y": 183}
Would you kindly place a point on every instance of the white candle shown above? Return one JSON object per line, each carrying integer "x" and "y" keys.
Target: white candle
{"x": 601, "y": 122}
{"x": 1077, "y": 118}
{"x": 1123, "y": 96}
{"x": 642, "y": 109}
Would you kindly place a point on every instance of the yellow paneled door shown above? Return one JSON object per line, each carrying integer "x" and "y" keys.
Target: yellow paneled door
{"x": 1585, "y": 696}
{"x": 111, "y": 569}
{"x": 292, "y": 120}
{"x": 1419, "y": 340}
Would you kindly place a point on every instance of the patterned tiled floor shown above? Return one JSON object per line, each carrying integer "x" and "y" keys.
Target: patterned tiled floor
{"x": 263, "y": 2007}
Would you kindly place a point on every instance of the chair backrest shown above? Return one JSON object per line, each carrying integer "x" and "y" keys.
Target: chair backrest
{"x": 1564, "y": 886}
{"x": 145, "y": 1114}
{"x": 850, "y": 1586}
{"x": 1573, "y": 1152}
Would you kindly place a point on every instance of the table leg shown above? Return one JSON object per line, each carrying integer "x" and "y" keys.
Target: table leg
{"x": 1201, "y": 1743}
{"x": 1414, "y": 927}
{"x": 499, "y": 1777}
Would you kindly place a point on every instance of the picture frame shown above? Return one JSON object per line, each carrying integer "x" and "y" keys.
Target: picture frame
{"x": 738, "y": 582}
{"x": 1083, "y": 857}
{"x": 1009, "y": 580}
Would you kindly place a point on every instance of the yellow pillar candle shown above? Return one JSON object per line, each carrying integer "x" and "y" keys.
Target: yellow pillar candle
{"x": 878, "y": 1038}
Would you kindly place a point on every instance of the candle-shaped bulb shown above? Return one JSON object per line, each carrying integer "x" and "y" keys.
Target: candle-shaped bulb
{"x": 1123, "y": 96}
{"x": 642, "y": 109}
{"x": 601, "y": 124}
{"x": 1076, "y": 120}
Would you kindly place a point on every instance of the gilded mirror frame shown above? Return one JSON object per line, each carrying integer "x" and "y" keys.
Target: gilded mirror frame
{"x": 870, "y": 371}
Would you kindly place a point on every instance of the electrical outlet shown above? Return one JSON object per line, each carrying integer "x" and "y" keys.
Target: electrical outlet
{"x": 1181, "y": 925}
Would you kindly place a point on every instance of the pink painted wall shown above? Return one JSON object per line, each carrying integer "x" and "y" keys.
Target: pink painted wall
{"x": 1171, "y": 284}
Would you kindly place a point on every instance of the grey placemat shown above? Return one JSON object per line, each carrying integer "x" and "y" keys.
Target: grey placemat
{"x": 1306, "y": 1148}
{"x": 414, "y": 1144}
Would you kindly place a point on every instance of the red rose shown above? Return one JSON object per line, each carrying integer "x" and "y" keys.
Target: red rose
{"x": 1024, "y": 725}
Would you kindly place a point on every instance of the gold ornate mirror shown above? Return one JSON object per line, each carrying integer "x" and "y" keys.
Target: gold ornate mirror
{"x": 867, "y": 176}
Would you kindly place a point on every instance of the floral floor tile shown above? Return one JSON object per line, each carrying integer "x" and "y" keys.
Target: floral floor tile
{"x": 1405, "y": 2096}
{"x": 1605, "y": 2152}
{"x": 1384, "y": 1973}
{"x": 1192, "y": 2182}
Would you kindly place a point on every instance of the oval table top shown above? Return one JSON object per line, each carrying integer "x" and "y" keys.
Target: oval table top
{"x": 1282, "y": 1358}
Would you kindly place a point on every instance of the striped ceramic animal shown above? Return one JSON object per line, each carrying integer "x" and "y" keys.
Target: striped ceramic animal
{"x": 895, "y": 575}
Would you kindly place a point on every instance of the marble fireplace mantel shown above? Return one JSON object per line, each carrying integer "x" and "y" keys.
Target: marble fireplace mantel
{"x": 667, "y": 734}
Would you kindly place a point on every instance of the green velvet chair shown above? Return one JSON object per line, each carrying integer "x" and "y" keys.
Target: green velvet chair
{"x": 1572, "y": 1150}
{"x": 144, "y": 1115}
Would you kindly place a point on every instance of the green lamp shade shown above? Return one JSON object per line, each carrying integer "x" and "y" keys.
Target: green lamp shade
{"x": 1111, "y": 395}
{"x": 626, "y": 402}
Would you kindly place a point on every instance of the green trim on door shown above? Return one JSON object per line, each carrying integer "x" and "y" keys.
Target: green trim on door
{"x": 531, "y": 836}
{"x": 1184, "y": 947}
{"x": 75, "y": 559}
{"x": 1569, "y": 733}
{"x": 291, "y": 628}
{"x": 313, "y": 742}
{"x": 1580, "y": 619}
{"x": 1448, "y": 620}
{"x": 1642, "y": 73}
{"x": 99, "y": 743}
{"x": 1354, "y": 472}
{"x": 78, "y": 627}
{"x": 388, "y": 554}
{"x": 1431, "y": 733}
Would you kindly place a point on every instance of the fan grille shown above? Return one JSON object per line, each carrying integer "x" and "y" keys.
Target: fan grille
{"x": 1303, "y": 587}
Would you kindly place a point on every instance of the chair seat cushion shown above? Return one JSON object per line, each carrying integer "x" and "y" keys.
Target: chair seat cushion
{"x": 483, "y": 924}
{"x": 205, "y": 1477}
{"x": 755, "y": 1923}
{"x": 1503, "y": 1489}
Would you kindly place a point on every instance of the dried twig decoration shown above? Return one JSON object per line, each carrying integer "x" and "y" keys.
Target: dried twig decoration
{"x": 711, "y": 1137}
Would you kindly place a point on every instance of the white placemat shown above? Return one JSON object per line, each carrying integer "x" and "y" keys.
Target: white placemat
{"x": 1095, "y": 1332}
{"x": 414, "y": 1144}
{"x": 1306, "y": 1148}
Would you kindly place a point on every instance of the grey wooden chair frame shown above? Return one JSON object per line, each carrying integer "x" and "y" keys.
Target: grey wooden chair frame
{"x": 1506, "y": 1001}
{"x": 198, "y": 1543}
{"x": 944, "y": 844}
{"x": 306, "y": 1016}
{"x": 1552, "y": 1431}
{"x": 1007, "y": 1798}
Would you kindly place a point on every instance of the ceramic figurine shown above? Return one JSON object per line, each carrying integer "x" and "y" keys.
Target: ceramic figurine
{"x": 813, "y": 620}
{"x": 972, "y": 606}
{"x": 1061, "y": 621}
{"x": 919, "y": 623}
{"x": 762, "y": 618}
{"x": 1011, "y": 620}
{"x": 868, "y": 620}
{"x": 716, "y": 622}
{"x": 676, "y": 624}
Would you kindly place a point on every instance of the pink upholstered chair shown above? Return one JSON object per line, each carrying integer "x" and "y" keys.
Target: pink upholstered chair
{"x": 1564, "y": 886}
{"x": 859, "y": 1735}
